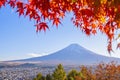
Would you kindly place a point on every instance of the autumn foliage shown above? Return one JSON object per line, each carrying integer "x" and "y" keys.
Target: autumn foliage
{"x": 102, "y": 71}
{"x": 90, "y": 16}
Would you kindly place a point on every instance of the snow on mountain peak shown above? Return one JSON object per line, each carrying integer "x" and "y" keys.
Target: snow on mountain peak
{"x": 75, "y": 47}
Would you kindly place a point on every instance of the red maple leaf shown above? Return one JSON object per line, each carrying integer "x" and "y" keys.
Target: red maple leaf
{"x": 118, "y": 45}
{"x": 94, "y": 31}
{"x": 2, "y": 2}
{"x": 87, "y": 12}
{"x": 12, "y": 3}
{"x": 109, "y": 47}
{"x": 20, "y": 11}
{"x": 19, "y": 4}
{"x": 87, "y": 31}
{"x": 41, "y": 26}
{"x": 56, "y": 21}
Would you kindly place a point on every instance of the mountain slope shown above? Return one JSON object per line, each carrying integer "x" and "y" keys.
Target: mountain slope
{"x": 73, "y": 54}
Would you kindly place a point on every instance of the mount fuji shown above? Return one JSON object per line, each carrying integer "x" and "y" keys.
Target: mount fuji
{"x": 73, "y": 54}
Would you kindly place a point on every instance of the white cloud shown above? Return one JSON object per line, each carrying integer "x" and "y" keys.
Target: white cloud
{"x": 34, "y": 55}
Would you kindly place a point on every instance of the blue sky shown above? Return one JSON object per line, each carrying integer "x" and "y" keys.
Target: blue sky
{"x": 19, "y": 40}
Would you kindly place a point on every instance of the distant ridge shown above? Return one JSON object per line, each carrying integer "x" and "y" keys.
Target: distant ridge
{"x": 73, "y": 54}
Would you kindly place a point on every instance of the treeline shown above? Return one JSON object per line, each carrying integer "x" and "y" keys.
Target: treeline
{"x": 103, "y": 71}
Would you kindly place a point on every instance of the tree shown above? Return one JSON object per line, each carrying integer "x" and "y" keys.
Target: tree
{"x": 59, "y": 73}
{"x": 73, "y": 74}
{"x": 39, "y": 77}
{"x": 109, "y": 71}
{"x": 90, "y": 16}
{"x": 87, "y": 73}
{"x": 48, "y": 77}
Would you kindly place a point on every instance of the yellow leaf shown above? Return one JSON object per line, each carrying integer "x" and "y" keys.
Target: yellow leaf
{"x": 102, "y": 19}
{"x": 118, "y": 35}
{"x": 103, "y": 1}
